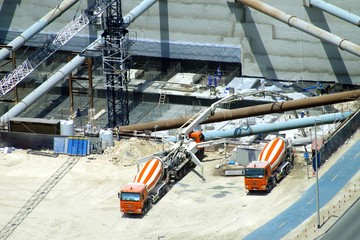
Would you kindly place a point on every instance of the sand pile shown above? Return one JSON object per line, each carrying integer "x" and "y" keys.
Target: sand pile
{"x": 128, "y": 151}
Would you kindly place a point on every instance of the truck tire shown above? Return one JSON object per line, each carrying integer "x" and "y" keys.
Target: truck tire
{"x": 147, "y": 206}
{"x": 272, "y": 183}
{"x": 276, "y": 178}
{"x": 182, "y": 173}
{"x": 163, "y": 191}
{"x": 166, "y": 189}
{"x": 287, "y": 169}
{"x": 185, "y": 171}
{"x": 179, "y": 175}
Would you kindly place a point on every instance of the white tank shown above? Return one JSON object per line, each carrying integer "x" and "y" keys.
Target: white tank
{"x": 67, "y": 128}
{"x": 106, "y": 138}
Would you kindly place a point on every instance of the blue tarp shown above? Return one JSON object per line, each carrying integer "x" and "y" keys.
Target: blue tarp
{"x": 77, "y": 146}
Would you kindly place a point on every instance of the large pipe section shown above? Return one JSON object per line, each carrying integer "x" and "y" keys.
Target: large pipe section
{"x": 336, "y": 11}
{"x": 37, "y": 27}
{"x": 276, "y": 126}
{"x": 293, "y": 21}
{"x": 137, "y": 11}
{"x": 44, "y": 88}
{"x": 68, "y": 68}
{"x": 277, "y": 107}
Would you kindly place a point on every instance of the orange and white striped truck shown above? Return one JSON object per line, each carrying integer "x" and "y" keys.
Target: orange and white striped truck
{"x": 273, "y": 164}
{"x": 153, "y": 181}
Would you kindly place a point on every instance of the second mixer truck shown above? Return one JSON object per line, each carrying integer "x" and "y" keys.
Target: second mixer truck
{"x": 274, "y": 163}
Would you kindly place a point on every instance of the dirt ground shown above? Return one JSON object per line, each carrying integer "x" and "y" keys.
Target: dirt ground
{"x": 84, "y": 203}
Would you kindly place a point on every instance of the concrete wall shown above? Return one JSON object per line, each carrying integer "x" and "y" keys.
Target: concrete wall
{"x": 222, "y": 31}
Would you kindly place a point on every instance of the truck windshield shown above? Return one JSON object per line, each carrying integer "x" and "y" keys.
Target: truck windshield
{"x": 130, "y": 196}
{"x": 254, "y": 172}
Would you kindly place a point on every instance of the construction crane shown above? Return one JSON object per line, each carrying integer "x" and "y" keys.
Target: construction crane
{"x": 51, "y": 46}
{"x": 116, "y": 43}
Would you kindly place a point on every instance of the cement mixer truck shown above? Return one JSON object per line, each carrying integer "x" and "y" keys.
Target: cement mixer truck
{"x": 274, "y": 163}
{"x": 153, "y": 181}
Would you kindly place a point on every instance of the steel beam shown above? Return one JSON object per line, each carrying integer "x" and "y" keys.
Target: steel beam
{"x": 277, "y": 107}
{"x": 336, "y": 11}
{"x": 299, "y": 24}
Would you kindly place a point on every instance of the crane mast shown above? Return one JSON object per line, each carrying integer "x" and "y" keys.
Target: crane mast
{"x": 114, "y": 52}
{"x": 116, "y": 64}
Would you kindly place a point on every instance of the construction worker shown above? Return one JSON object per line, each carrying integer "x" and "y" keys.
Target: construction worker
{"x": 319, "y": 88}
{"x": 88, "y": 127}
{"x": 78, "y": 113}
{"x": 215, "y": 81}
{"x": 117, "y": 132}
{"x": 209, "y": 80}
{"x": 218, "y": 70}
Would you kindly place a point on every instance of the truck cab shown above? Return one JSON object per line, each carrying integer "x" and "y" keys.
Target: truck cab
{"x": 198, "y": 137}
{"x": 134, "y": 199}
{"x": 257, "y": 176}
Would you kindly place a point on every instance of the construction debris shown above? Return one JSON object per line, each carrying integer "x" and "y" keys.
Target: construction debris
{"x": 128, "y": 151}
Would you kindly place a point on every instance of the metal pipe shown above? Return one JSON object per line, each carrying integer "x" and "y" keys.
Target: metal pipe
{"x": 66, "y": 70}
{"x": 137, "y": 11}
{"x": 336, "y": 11}
{"x": 37, "y": 27}
{"x": 317, "y": 178}
{"x": 43, "y": 88}
{"x": 276, "y": 126}
{"x": 293, "y": 21}
{"x": 278, "y": 107}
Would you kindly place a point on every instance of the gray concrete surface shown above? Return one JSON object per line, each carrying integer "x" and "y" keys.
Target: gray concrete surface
{"x": 347, "y": 227}
{"x": 330, "y": 183}
{"x": 84, "y": 204}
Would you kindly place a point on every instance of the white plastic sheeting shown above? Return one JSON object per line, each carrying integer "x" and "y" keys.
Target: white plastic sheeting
{"x": 186, "y": 50}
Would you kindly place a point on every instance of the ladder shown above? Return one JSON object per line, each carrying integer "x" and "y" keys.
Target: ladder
{"x": 37, "y": 197}
{"x": 162, "y": 98}
{"x": 190, "y": 120}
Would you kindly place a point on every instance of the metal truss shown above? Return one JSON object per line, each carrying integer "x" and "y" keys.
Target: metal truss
{"x": 51, "y": 46}
{"x": 116, "y": 43}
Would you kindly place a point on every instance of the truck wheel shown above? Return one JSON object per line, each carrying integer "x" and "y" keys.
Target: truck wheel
{"x": 146, "y": 208}
{"x": 184, "y": 171}
{"x": 275, "y": 178}
{"x": 287, "y": 170}
{"x": 166, "y": 189}
{"x": 179, "y": 175}
{"x": 273, "y": 182}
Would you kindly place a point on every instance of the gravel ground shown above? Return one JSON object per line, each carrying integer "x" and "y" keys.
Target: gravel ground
{"x": 84, "y": 203}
